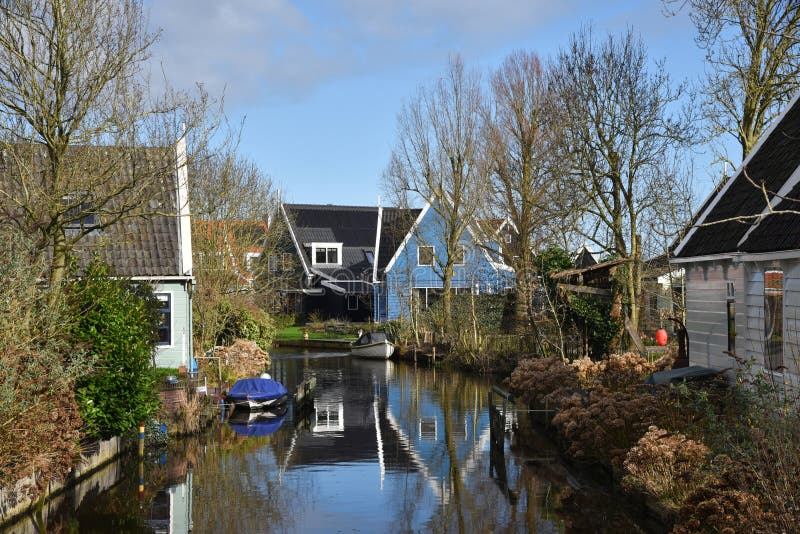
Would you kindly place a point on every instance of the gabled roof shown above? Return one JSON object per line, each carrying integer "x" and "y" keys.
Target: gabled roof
{"x": 415, "y": 222}
{"x": 146, "y": 242}
{"x": 353, "y": 226}
{"x": 739, "y": 208}
{"x": 585, "y": 258}
{"x": 396, "y": 223}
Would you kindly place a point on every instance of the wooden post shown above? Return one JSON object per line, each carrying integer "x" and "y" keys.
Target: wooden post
{"x": 141, "y": 461}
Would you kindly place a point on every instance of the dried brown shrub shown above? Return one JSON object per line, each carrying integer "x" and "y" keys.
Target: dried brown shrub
{"x": 241, "y": 359}
{"x": 624, "y": 370}
{"x": 588, "y": 371}
{"x": 601, "y": 425}
{"x": 618, "y": 371}
{"x": 39, "y": 431}
{"x": 665, "y": 465}
{"x": 725, "y": 504}
{"x": 537, "y": 378}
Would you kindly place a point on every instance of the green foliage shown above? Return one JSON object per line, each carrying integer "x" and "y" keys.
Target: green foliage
{"x": 552, "y": 260}
{"x": 596, "y": 315}
{"x": 117, "y": 323}
{"x": 284, "y": 320}
{"x": 246, "y": 322}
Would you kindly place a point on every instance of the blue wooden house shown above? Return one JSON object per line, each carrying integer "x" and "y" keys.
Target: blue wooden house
{"x": 408, "y": 274}
{"x": 364, "y": 262}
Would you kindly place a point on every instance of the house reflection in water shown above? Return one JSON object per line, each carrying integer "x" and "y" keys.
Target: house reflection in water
{"x": 171, "y": 509}
{"x": 399, "y": 421}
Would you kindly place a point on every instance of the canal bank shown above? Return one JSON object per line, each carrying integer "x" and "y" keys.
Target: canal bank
{"x": 387, "y": 446}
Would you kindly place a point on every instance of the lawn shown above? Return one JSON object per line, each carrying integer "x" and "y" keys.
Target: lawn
{"x": 294, "y": 333}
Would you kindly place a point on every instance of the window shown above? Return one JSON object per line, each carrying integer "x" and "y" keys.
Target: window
{"x": 731, "y": 314}
{"x": 425, "y": 297}
{"x": 165, "y": 319}
{"x": 326, "y": 253}
{"x": 507, "y": 238}
{"x": 79, "y": 214}
{"x": 773, "y": 320}
{"x": 352, "y": 302}
{"x": 273, "y": 262}
{"x": 251, "y": 260}
{"x": 286, "y": 257}
{"x": 370, "y": 256}
{"x": 459, "y": 255}
{"x": 425, "y": 256}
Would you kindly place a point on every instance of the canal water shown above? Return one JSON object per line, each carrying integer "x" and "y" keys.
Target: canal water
{"x": 387, "y": 447}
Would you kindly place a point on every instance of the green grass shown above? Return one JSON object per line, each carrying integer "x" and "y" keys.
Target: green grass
{"x": 295, "y": 333}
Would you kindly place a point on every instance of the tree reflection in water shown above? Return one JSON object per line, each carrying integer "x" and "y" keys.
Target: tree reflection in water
{"x": 393, "y": 448}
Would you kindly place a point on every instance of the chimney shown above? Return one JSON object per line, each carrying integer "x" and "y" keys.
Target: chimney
{"x": 185, "y": 226}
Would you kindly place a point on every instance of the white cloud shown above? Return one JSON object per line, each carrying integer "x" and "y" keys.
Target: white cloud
{"x": 255, "y": 48}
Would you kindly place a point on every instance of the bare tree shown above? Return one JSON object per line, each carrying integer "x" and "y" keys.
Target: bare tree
{"x": 232, "y": 202}
{"x": 439, "y": 157}
{"x": 619, "y": 130}
{"x": 525, "y": 168}
{"x": 83, "y": 143}
{"x": 753, "y": 48}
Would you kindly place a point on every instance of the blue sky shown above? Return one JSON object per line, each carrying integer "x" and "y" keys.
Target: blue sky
{"x": 319, "y": 83}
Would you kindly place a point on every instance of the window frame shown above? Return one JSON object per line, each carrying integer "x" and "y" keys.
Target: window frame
{"x": 170, "y": 311}
{"x": 318, "y": 247}
{"x": 730, "y": 314}
{"x": 463, "y": 256}
{"x": 250, "y": 260}
{"x": 353, "y": 298}
{"x": 85, "y": 215}
{"x": 774, "y": 362}
{"x": 433, "y": 255}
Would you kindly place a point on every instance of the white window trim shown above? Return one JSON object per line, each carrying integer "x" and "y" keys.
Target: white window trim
{"x": 337, "y": 246}
{"x": 249, "y": 257}
{"x": 171, "y": 295}
{"x": 433, "y": 255}
{"x": 463, "y": 255}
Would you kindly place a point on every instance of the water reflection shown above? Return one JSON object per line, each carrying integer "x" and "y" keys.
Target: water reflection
{"x": 386, "y": 448}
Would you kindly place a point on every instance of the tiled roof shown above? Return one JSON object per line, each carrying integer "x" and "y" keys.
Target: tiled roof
{"x": 395, "y": 225}
{"x": 773, "y": 164}
{"x": 353, "y": 226}
{"x": 146, "y": 242}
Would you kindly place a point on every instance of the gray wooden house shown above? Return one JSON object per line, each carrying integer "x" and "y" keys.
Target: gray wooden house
{"x": 742, "y": 260}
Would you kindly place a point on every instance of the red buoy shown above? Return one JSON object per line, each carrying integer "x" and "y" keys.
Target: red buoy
{"x": 661, "y": 337}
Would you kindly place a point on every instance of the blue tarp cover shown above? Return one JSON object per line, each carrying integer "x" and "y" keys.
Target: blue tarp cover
{"x": 257, "y": 389}
{"x": 262, "y": 427}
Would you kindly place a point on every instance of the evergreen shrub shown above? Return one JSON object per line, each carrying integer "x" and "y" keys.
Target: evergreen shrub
{"x": 117, "y": 323}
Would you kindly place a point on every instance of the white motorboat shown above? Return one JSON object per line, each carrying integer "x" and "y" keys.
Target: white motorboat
{"x": 372, "y": 345}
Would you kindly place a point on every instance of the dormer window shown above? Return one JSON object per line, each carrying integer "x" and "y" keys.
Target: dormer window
{"x": 326, "y": 253}
{"x": 79, "y": 213}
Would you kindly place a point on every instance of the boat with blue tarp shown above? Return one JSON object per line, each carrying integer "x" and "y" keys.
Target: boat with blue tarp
{"x": 257, "y": 393}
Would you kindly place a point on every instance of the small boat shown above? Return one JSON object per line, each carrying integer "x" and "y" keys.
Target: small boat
{"x": 261, "y": 423}
{"x": 372, "y": 345}
{"x": 257, "y": 393}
